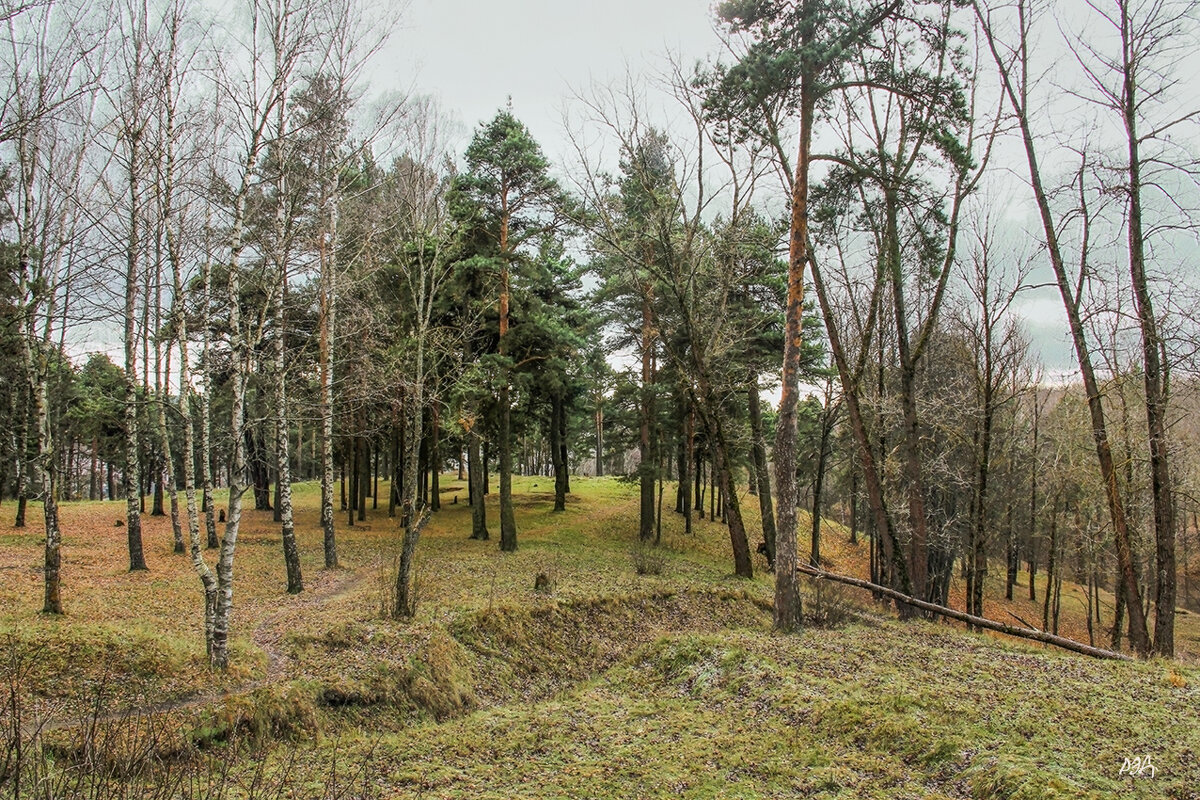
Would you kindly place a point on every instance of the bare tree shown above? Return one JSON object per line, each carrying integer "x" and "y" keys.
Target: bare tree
{"x": 1013, "y": 64}
{"x": 993, "y": 281}
{"x": 418, "y": 188}
{"x": 280, "y": 41}
{"x": 1141, "y": 85}
{"x": 132, "y": 108}
{"x": 52, "y": 94}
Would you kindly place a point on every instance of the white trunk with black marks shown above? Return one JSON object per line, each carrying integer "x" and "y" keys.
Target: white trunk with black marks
{"x": 208, "y": 581}
{"x": 328, "y": 320}
{"x": 239, "y": 354}
{"x": 291, "y": 553}
{"x": 206, "y": 475}
{"x": 43, "y": 465}
{"x": 283, "y": 506}
{"x": 36, "y": 369}
{"x": 52, "y": 603}
{"x": 131, "y": 477}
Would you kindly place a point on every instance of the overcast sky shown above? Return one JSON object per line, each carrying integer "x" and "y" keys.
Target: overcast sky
{"x": 473, "y": 55}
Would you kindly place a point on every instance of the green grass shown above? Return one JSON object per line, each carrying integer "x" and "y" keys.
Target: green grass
{"x": 883, "y": 710}
{"x": 613, "y": 685}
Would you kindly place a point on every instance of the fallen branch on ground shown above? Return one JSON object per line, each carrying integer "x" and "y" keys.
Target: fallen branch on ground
{"x": 979, "y": 622}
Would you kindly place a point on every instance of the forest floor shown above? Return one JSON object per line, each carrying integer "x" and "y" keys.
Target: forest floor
{"x": 612, "y": 684}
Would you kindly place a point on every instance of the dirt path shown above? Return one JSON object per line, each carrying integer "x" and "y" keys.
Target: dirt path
{"x": 268, "y": 635}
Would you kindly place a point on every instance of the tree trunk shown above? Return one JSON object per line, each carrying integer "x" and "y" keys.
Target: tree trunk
{"x": 556, "y": 452}
{"x": 435, "y": 459}
{"x": 406, "y": 592}
{"x": 563, "y": 455}
{"x": 240, "y": 354}
{"x": 52, "y": 563}
{"x": 1155, "y": 368}
{"x": 508, "y": 523}
{"x": 393, "y": 494}
{"x": 363, "y": 479}
{"x": 283, "y": 467}
{"x": 162, "y": 371}
{"x": 1052, "y": 566}
{"x": 93, "y": 473}
{"x": 1012, "y": 556}
{"x": 327, "y": 289}
{"x": 853, "y": 505}
{"x": 208, "y": 581}
{"x": 260, "y": 475}
{"x": 475, "y": 478}
{"x": 918, "y": 548}
{"x": 761, "y": 475}
{"x": 977, "y": 622}
{"x": 600, "y": 437}
{"x": 827, "y": 421}
{"x": 36, "y": 367}
{"x": 130, "y": 471}
{"x": 742, "y": 565}
{"x": 22, "y": 469}
{"x": 645, "y": 414}
{"x": 787, "y": 589}
{"x": 686, "y": 465}
{"x": 206, "y": 469}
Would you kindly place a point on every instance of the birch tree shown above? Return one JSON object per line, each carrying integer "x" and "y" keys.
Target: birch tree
{"x": 47, "y": 126}
{"x": 281, "y": 38}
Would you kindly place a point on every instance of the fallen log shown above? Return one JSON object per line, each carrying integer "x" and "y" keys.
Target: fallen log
{"x": 979, "y": 622}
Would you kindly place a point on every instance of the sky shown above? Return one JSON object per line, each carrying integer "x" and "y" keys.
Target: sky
{"x": 473, "y": 55}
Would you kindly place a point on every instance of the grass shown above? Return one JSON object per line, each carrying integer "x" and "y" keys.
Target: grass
{"x": 613, "y": 684}
{"x": 826, "y": 714}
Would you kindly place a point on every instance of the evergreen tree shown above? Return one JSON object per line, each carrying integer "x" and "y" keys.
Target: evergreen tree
{"x": 507, "y": 194}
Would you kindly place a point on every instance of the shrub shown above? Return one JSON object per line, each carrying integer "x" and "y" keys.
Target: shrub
{"x": 829, "y": 604}
{"x": 648, "y": 559}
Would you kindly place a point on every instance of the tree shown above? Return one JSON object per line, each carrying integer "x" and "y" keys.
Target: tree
{"x": 992, "y": 286}
{"x": 415, "y": 193}
{"x": 133, "y": 118}
{"x": 280, "y": 44}
{"x": 1140, "y": 85}
{"x": 508, "y": 195}
{"x": 53, "y": 91}
{"x": 793, "y": 60}
{"x": 1012, "y": 60}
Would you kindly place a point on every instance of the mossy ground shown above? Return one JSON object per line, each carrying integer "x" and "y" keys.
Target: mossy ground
{"x": 613, "y": 685}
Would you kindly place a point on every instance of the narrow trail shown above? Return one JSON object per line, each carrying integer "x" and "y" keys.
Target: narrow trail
{"x": 267, "y": 635}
